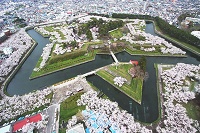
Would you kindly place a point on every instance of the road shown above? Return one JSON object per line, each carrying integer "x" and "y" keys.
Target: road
{"x": 52, "y": 125}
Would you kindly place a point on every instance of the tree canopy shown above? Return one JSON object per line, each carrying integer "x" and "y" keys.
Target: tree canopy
{"x": 103, "y": 26}
{"x": 142, "y": 63}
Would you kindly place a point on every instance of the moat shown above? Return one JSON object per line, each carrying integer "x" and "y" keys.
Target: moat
{"x": 146, "y": 112}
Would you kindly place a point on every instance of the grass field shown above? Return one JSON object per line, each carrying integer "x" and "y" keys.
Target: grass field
{"x": 116, "y": 33}
{"x": 69, "y": 108}
{"x": 134, "y": 90}
{"x": 193, "y": 110}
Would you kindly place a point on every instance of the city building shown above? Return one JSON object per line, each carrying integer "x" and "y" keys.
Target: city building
{"x": 33, "y": 119}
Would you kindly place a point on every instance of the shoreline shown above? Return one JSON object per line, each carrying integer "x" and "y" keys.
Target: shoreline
{"x": 15, "y": 70}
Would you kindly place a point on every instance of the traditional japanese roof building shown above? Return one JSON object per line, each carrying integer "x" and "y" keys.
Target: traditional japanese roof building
{"x": 134, "y": 62}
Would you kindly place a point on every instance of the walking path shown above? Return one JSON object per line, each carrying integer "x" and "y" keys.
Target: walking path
{"x": 114, "y": 57}
{"x": 160, "y": 87}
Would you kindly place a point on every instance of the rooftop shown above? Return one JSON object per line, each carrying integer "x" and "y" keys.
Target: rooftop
{"x": 19, "y": 124}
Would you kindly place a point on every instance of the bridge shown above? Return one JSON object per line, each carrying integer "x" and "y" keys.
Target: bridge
{"x": 114, "y": 57}
{"x": 94, "y": 71}
{"x": 89, "y": 73}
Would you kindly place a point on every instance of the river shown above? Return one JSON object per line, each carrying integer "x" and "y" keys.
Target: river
{"x": 146, "y": 112}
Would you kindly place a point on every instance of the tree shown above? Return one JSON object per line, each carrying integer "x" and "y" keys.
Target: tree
{"x": 73, "y": 43}
{"x": 142, "y": 63}
{"x": 132, "y": 72}
{"x": 136, "y": 71}
{"x": 89, "y": 35}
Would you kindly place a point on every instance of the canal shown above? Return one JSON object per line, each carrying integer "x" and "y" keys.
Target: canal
{"x": 146, "y": 112}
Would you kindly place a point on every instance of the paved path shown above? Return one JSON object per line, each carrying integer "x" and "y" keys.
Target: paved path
{"x": 53, "y": 122}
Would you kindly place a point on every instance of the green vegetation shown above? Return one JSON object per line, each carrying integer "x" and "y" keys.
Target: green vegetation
{"x": 63, "y": 64}
{"x": 49, "y": 28}
{"x": 131, "y": 16}
{"x": 87, "y": 53}
{"x": 62, "y": 130}
{"x": 50, "y": 96}
{"x": 94, "y": 43}
{"x": 183, "y": 16}
{"x": 193, "y": 109}
{"x": 104, "y": 27}
{"x": 116, "y": 34}
{"x": 158, "y": 95}
{"x": 76, "y": 57}
{"x": 142, "y": 63}
{"x": 176, "y": 33}
{"x": 67, "y": 56}
{"x": 69, "y": 108}
{"x": 134, "y": 49}
{"x": 133, "y": 86}
{"x": 183, "y": 38}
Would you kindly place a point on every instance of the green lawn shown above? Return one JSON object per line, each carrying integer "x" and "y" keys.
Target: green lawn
{"x": 69, "y": 108}
{"x": 63, "y": 64}
{"x": 116, "y": 33}
{"x": 122, "y": 70}
{"x": 193, "y": 110}
{"x": 50, "y": 96}
{"x": 49, "y": 28}
{"x": 134, "y": 90}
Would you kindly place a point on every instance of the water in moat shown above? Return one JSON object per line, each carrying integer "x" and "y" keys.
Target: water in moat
{"x": 146, "y": 112}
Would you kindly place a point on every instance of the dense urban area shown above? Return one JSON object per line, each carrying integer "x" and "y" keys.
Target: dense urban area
{"x": 103, "y": 66}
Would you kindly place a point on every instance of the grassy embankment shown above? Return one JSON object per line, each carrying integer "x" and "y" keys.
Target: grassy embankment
{"x": 59, "y": 62}
{"x": 69, "y": 108}
{"x": 133, "y": 86}
{"x": 178, "y": 42}
{"x": 158, "y": 95}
